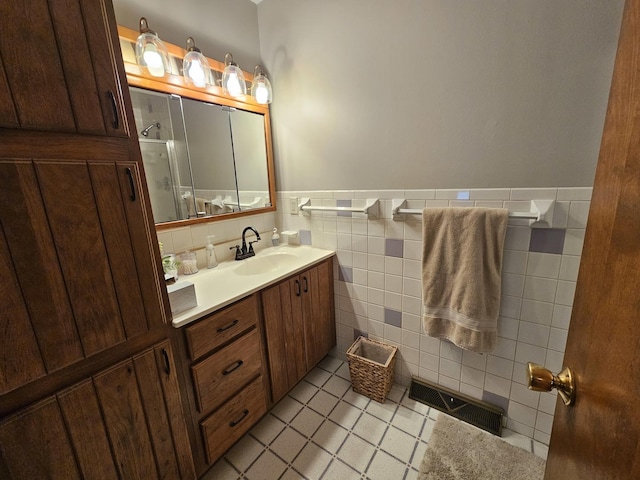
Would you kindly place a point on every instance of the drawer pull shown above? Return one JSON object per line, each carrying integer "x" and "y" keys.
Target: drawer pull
{"x": 235, "y": 366}
{"x": 306, "y": 284}
{"x": 236, "y": 422}
{"x": 297, "y": 288}
{"x": 232, "y": 324}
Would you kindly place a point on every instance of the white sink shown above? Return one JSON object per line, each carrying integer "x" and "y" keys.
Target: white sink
{"x": 266, "y": 264}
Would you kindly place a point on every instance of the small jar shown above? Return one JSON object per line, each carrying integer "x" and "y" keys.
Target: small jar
{"x": 189, "y": 263}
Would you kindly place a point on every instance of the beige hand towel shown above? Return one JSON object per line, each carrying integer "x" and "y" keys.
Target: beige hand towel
{"x": 461, "y": 270}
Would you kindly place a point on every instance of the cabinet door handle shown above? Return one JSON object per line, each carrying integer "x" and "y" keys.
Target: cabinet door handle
{"x": 297, "y": 287}
{"x": 232, "y": 368}
{"x": 306, "y": 284}
{"x": 232, "y": 324}
{"x": 114, "y": 106}
{"x": 236, "y": 422}
{"x": 167, "y": 365}
{"x": 132, "y": 184}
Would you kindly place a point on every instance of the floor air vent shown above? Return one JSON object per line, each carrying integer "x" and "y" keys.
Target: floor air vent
{"x": 476, "y": 412}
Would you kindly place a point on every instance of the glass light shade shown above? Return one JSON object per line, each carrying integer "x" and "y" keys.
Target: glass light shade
{"x": 233, "y": 81}
{"x": 261, "y": 89}
{"x": 196, "y": 68}
{"x": 151, "y": 52}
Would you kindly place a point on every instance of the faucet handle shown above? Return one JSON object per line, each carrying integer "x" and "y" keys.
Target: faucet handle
{"x": 238, "y": 251}
{"x": 251, "y": 246}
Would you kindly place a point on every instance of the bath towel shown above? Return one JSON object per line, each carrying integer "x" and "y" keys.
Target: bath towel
{"x": 461, "y": 270}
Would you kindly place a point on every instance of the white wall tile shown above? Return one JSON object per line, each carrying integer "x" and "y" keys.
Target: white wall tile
{"x": 544, "y": 422}
{"x": 547, "y": 402}
{"x": 508, "y": 327}
{"x": 505, "y": 348}
{"x": 419, "y": 194}
{"x": 561, "y": 316}
{"x": 489, "y": 203}
{"x": 410, "y": 355}
{"x": 412, "y": 229}
{"x": 181, "y": 239}
{"x": 490, "y": 194}
{"x": 429, "y": 345}
{"x": 573, "y": 241}
{"x": 569, "y": 267}
{"x": 557, "y": 339}
{"x": 447, "y": 194}
{"x": 498, "y": 385}
{"x": 376, "y": 228}
{"x": 375, "y": 296}
{"x": 429, "y": 361}
{"x": 375, "y": 280}
{"x": 376, "y": 312}
{"x": 393, "y": 301}
{"x": 543, "y": 265}
{"x": 437, "y": 203}
{"x": 450, "y": 351}
{"x": 530, "y": 353}
{"x": 393, "y": 265}
{"x": 360, "y": 260}
{"x": 541, "y": 440}
{"x": 575, "y": 193}
{"x": 565, "y": 292}
{"x": 578, "y": 214}
{"x": 560, "y": 214}
{"x": 522, "y": 394}
{"x": 534, "y": 193}
{"x": 471, "y": 391}
{"x": 538, "y": 288}
{"x": 536, "y": 312}
{"x": 534, "y": 334}
{"x": 410, "y": 339}
{"x": 412, "y": 305}
{"x": 375, "y": 262}
{"x": 554, "y": 360}
{"x": 472, "y": 376}
{"x": 517, "y": 238}
{"x": 499, "y": 366}
{"x": 522, "y": 413}
{"x": 412, "y": 287}
{"x": 393, "y": 283}
{"x": 412, "y": 323}
{"x": 514, "y": 261}
{"x": 412, "y": 268}
{"x": 392, "y": 334}
{"x": 376, "y": 245}
{"x": 448, "y": 382}
{"x": 520, "y": 428}
{"x": 513, "y": 285}
{"x": 360, "y": 276}
{"x": 449, "y": 368}
{"x": 412, "y": 250}
{"x": 376, "y": 328}
{"x": 474, "y": 360}
{"x": 510, "y": 306}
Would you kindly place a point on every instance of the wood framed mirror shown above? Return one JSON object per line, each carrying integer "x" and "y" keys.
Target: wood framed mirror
{"x": 207, "y": 156}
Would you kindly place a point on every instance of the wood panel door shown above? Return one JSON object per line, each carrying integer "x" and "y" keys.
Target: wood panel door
{"x": 318, "y": 312}
{"x": 61, "y": 68}
{"x": 125, "y": 422}
{"x": 599, "y": 436}
{"x": 74, "y": 242}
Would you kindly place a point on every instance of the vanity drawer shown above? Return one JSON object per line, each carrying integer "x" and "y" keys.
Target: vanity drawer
{"x": 216, "y": 329}
{"x": 221, "y": 429}
{"x": 219, "y": 376}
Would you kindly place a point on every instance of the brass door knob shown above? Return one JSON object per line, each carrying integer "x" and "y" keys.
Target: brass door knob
{"x": 542, "y": 380}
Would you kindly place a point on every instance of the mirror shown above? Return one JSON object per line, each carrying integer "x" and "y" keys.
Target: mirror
{"x": 206, "y": 156}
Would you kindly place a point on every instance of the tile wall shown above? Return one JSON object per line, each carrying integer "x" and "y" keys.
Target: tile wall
{"x": 378, "y": 289}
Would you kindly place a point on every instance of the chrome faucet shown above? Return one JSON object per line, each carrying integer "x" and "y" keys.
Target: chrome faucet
{"x": 243, "y": 252}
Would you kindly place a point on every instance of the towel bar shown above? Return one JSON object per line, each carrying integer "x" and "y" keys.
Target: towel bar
{"x": 540, "y": 214}
{"x": 370, "y": 208}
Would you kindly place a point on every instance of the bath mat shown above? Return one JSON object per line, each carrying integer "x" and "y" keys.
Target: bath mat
{"x": 457, "y": 451}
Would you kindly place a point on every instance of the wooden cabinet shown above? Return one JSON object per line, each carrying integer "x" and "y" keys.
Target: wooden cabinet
{"x": 60, "y": 68}
{"x": 88, "y": 385}
{"x": 226, "y": 364}
{"x": 124, "y": 422}
{"x": 299, "y": 325}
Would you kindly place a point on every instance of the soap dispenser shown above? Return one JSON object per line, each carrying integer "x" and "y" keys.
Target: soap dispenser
{"x": 212, "y": 261}
{"x": 275, "y": 238}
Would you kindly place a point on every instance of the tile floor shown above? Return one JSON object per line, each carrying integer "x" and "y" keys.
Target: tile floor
{"x": 324, "y": 430}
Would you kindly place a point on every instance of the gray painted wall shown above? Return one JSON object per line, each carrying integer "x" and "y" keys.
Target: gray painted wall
{"x": 218, "y": 26}
{"x": 437, "y": 93}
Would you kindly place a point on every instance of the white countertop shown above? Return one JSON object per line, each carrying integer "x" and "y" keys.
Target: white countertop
{"x": 220, "y": 286}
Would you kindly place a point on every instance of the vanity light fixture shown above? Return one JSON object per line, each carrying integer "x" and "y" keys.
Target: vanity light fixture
{"x": 151, "y": 52}
{"x": 195, "y": 65}
{"x": 261, "y": 87}
{"x": 232, "y": 78}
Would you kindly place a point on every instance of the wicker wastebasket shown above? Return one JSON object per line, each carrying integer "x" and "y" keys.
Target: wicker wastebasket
{"x": 371, "y": 365}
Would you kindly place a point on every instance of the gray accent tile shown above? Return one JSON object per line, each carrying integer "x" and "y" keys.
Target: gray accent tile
{"x": 547, "y": 240}
{"x": 394, "y": 247}
{"x": 393, "y": 317}
{"x": 343, "y": 203}
{"x": 346, "y": 274}
{"x": 496, "y": 400}
{"x": 305, "y": 237}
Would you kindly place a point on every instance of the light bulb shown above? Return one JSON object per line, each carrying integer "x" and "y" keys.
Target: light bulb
{"x": 262, "y": 94}
{"x": 233, "y": 85}
{"x": 196, "y": 73}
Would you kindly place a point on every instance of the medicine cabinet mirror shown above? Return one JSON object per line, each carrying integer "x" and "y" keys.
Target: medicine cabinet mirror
{"x": 206, "y": 156}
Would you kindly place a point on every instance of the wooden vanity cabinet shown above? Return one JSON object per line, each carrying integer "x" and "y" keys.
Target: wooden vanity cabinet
{"x": 225, "y": 361}
{"x": 299, "y": 325}
{"x": 123, "y": 422}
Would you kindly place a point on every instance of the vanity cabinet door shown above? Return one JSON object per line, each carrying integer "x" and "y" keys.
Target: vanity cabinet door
{"x": 299, "y": 325}
{"x": 62, "y": 67}
{"x": 125, "y": 422}
{"x": 76, "y": 252}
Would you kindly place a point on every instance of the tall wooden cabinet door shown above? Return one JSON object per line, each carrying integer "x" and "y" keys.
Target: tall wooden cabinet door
{"x": 80, "y": 252}
{"x": 63, "y": 67}
{"x": 34, "y": 444}
{"x": 317, "y": 301}
{"x": 141, "y": 407}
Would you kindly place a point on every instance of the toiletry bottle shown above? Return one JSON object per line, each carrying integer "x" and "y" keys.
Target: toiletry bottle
{"x": 212, "y": 261}
{"x": 275, "y": 238}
